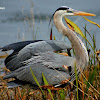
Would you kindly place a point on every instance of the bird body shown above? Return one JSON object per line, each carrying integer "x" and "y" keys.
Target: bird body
{"x": 24, "y": 52}
{"x": 49, "y": 63}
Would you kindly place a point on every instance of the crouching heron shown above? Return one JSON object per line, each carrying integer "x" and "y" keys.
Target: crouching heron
{"x": 57, "y": 69}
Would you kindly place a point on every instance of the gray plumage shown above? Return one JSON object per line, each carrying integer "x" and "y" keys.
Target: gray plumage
{"x": 14, "y": 61}
{"x": 42, "y": 59}
{"x": 49, "y": 63}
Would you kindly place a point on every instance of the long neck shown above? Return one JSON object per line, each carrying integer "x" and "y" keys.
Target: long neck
{"x": 77, "y": 44}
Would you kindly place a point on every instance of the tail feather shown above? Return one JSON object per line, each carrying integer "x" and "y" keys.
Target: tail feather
{"x": 10, "y": 75}
{"x": 18, "y": 45}
{"x": 13, "y": 63}
{"x": 14, "y": 83}
{"x": 17, "y": 83}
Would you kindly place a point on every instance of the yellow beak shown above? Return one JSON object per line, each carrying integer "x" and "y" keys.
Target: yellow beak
{"x": 80, "y": 13}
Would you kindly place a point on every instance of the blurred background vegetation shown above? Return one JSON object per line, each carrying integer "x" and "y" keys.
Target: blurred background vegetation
{"x": 29, "y": 19}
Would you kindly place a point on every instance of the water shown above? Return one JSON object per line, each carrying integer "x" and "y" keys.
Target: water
{"x": 17, "y": 22}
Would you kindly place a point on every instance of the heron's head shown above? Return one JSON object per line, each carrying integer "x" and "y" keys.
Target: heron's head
{"x": 66, "y": 11}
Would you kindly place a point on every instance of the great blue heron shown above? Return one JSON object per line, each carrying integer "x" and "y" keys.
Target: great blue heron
{"x": 49, "y": 63}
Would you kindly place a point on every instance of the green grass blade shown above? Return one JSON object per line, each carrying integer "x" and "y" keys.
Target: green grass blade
{"x": 78, "y": 30}
{"x": 90, "y": 79}
{"x": 34, "y": 77}
{"x": 54, "y": 38}
{"x": 91, "y": 22}
{"x": 37, "y": 81}
{"x": 94, "y": 45}
{"x": 85, "y": 39}
{"x": 62, "y": 94}
{"x": 46, "y": 83}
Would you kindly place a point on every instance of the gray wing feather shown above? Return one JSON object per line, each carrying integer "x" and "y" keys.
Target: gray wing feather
{"x": 51, "y": 59}
{"x": 17, "y": 83}
{"x": 40, "y": 47}
{"x": 32, "y": 49}
{"x": 49, "y": 65}
{"x": 53, "y": 77}
{"x": 14, "y": 63}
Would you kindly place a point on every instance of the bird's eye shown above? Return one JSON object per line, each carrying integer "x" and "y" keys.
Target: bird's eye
{"x": 69, "y": 11}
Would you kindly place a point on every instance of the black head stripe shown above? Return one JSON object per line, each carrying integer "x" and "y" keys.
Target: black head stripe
{"x": 61, "y": 8}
